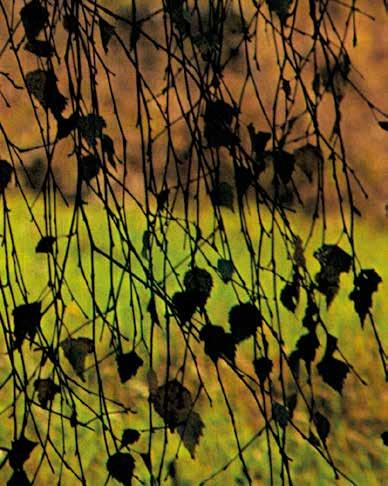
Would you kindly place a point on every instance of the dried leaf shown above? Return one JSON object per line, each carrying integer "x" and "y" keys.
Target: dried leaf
{"x": 75, "y": 351}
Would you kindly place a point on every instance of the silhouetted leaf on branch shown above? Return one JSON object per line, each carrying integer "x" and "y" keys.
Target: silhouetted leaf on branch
{"x": 20, "y": 452}
{"x": 332, "y": 370}
{"x": 173, "y": 402}
{"x": 259, "y": 141}
{"x": 5, "y": 174}
{"x": 333, "y": 261}
{"x": 290, "y": 293}
{"x": 89, "y": 167}
{"x": 284, "y": 164}
{"x": 198, "y": 282}
{"x": 244, "y": 178}
{"x": 222, "y": 195}
{"x": 384, "y": 125}
{"x": 308, "y": 158}
{"x": 384, "y": 437}
{"x": 129, "y": 436}
{"x": 43, "y": 85}
{"x": 323, "y": 426}
{"x": 66, "y": 125}
{"x": 128, "y": 365}
{"x": 244, "y": 319}
{"x": 45, "y": 244}
{"x": 121, "y": 466}
{"x": 107, "y": 31}
{"x": 218, "y": 343}
{"x": 75, "y": 350}
{"x": 280, "y": 414}
{"x": 185, "y": 305}
{"x": 46, "y": 389}
{"x": 307, "y": 346}
{"x": 280, "y": 7}
{"x": 90, "y": 127}
{"x": 34, "y": 17}
{"x": 40, "y": 48}
{"x": 263, "y": 367}
{"x": 218, "y": 119}
{"x": 19, "y": 478}
{"x": 365, "y": 284}
{"x": 225, "y": 269}
{"x": 26, "y": 321}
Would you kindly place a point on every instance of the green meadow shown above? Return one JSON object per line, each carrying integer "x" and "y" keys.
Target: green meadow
{"x": 357, "y": 417}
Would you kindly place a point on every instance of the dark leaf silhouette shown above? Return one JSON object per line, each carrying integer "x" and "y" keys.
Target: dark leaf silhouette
{"x": 199, "y": 283}
{"x": 307, "y": 346}
{"x": 173, "y": 402}
{"x": 218, "y": 119}
{"x": 162, "y": 198}
{"x": 259, "y": 141}
{"x": 45, "y": 244}
{"x": 90, "y": 128}
{"x": 26, "y": 320}
{"x": 222, "y": 195}
{"x": 333, "y": 372}
{"x": 292, "y": 401}
{"x": 323, "y": 426}
{"x": 5, "y": 174}
{"x": 244, "y": 319}
{"x": 284, "y": 164}
{"x": 75, "y": 350}
{"x": 311, "y": 315}
{"x": 19, "y": 478}
{"x": 225, "y": 269}
{"x": 280, "y": 414}
{"x": 308, "y": 158}
{"x": 244, "y": 178}
{"x": 365, "y": 284}
{"x": 66, "y": 125}
{"x": 43, "y": 86}
{"x": 280, "y": 7}
{"x": 34, "y": 17}
{"x": 121, "y": 466}
{"x": 263, "y": 367}
{"x": 40, "y": 48}
{"x": 293, "y": 362}
{"x": 70, "y": 23}
{"x": 128, "y": 365}
{"x": 46, "y": 389}
{"x": 20, "y": 452}
{"x": 384, "y": 125}
{"x": 191, "y": 432}
{"x": 185, "y": 304}
{"x": 289, "y": 295}
{"x": 108, "y": 148}
{"x": 333, "y": 261}
{"x": 89, "y": 167}
{"x": 130, "y": 436}
{"x": 218, "y": 343}
{"x": 107, "y": 31}
{"x": 384, "y": 437}
{"x": 313, "y": 439}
